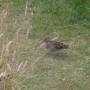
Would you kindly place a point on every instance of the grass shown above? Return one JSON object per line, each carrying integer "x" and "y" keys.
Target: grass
{"x": 21, "y": 33}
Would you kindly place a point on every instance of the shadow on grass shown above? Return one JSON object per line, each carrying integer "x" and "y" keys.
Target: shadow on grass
{"x": 59, "y": 56}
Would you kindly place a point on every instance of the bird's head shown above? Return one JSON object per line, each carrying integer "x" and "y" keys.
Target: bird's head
{"x": 45, "y": 42}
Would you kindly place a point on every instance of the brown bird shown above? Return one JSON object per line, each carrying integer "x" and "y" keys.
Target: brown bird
{"x": 53, "y": 46}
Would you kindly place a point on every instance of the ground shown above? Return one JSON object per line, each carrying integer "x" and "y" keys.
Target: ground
{"x": 32, "y": 68}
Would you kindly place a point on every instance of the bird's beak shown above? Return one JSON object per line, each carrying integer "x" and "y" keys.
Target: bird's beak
{"x": 42, "y": 45}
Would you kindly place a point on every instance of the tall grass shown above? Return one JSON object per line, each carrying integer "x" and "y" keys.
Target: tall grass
{"x": 24, "y": 23}
{"x": 71, "y": 11}
{"x": 80, "y": 10}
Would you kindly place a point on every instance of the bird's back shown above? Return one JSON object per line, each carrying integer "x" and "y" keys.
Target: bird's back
{"x": 57, "y": 45}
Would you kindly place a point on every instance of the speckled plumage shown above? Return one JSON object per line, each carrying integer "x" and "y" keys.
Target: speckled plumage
{"x": 54, "y": 46}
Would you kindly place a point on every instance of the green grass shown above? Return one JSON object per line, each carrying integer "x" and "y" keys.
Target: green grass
{"x": 70, "y": 19}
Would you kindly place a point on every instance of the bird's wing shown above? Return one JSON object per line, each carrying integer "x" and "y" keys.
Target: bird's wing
{"x": 57, "y": 45}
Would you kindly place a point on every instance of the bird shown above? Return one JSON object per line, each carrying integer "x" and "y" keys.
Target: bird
{"x": 53, "y": 45}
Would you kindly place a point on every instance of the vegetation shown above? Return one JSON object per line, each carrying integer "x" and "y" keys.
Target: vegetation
{"x": 23, "y": 26}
